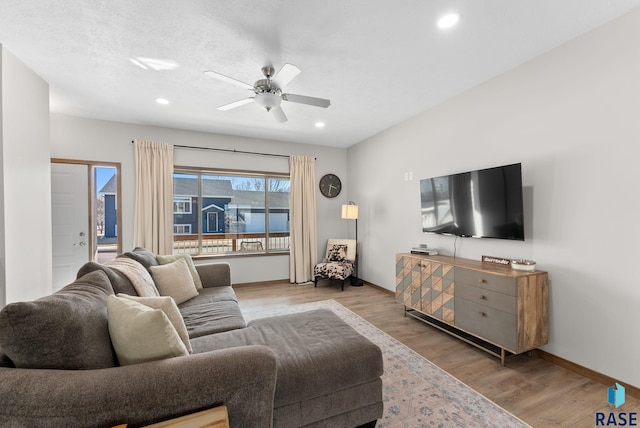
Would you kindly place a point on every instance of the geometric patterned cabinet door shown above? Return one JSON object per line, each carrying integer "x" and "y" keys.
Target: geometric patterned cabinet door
{"x": 426, "y": 286}
{"x": 408, "y": 281}
{"x": 438, "y": 288}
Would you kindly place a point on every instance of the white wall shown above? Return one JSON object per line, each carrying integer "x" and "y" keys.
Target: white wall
{"x": 571, "y": 118}
{"x": 25, "y": 183}
{"x": 97, "y": 140}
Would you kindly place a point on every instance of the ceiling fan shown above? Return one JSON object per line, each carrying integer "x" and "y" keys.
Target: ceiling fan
{"x": 268, "y": 91}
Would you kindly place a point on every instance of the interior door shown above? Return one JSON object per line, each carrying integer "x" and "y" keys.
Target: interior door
{"x": 70, "y": 217}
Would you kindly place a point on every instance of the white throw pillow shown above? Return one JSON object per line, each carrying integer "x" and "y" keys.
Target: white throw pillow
{"x": 163, "y": 260}
{"x": 140, "y": 333}
{"x": 175, "y": 280}
{"x": 169, "y": 307}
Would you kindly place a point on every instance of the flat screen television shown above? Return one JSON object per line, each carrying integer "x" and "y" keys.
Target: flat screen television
{"x": 485, "y": 203}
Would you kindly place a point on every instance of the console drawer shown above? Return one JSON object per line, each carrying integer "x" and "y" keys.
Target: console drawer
{"x": 481, "y": 296}
{"x": 497, "y": 283}
{"x": 489, "y": 323}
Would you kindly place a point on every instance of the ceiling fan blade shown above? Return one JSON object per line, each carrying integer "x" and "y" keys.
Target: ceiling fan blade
{"x": 279, "y": 115}
{"x": 303, "y": 99}
{"x": 287, "y": 73}
{"x": 228, "y": 79}
{"x": 235, "y": 104}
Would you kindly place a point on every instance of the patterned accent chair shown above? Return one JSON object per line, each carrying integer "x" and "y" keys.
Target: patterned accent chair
{"x": 338, "y": 263}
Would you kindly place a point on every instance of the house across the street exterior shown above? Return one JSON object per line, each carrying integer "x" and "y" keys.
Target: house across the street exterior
{"x": 226, "y": 210}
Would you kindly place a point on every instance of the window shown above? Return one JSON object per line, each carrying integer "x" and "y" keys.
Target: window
{"x": 181, "y": 229}
{"x": 232, "y": 213}
{"x": 181, "y": 205}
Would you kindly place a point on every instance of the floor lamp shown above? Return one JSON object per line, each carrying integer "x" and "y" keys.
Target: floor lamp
{"x": 350, "y": 212}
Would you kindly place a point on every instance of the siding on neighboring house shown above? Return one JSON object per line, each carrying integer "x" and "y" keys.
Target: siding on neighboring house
{"x": 109, "y": 190}
{"x": 224, "y": 210}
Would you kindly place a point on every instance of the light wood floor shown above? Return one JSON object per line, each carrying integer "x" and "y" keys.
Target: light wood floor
{"x": 535, "y": 390}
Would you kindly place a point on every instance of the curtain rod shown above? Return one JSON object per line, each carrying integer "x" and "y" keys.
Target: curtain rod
{"x": 230, "y": 151}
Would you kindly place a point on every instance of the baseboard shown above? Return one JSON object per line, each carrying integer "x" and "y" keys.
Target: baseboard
{"x": 386, "y": 290}
{"x": 253, "y": 284}
{"x": 583, "y": 371}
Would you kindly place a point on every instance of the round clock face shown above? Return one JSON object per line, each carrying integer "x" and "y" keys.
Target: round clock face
{"x": 330, "y": 185}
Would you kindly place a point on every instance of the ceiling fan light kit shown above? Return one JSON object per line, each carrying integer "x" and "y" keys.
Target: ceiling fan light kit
{"x": 268, "y": 91}
{"x": 267, "y": 100}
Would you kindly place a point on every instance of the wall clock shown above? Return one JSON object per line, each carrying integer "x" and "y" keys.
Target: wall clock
{"x": 330, "y": 185}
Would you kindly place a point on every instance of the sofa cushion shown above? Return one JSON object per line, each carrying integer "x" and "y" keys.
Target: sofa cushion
{"x": 207, "y": 319}
{"x": 318, "y": 353}
{"x": 211, "y": 295}
{"x": 170, "y": 309}
{"x": 166, "y": 259}
{"x": 174, "y": 280}
{"x": 140, "y": 333}
{"x": 143, "y": 256}
{"x": 65, "y": 330}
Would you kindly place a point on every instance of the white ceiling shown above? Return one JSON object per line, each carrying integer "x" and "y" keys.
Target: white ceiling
{"x": 379, "y": 61}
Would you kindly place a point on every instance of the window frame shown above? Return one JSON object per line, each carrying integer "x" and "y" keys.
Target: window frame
{"x": 201, "y": 171}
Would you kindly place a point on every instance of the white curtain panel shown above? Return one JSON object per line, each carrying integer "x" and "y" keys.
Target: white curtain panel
{"x": 304, "y": 249}
{"x": 153, "y": 226}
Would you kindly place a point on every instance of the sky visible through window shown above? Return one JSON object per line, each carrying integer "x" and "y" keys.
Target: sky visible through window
{"x": 103, "y": 174}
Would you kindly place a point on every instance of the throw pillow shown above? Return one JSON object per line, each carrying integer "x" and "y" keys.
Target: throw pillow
{"x": 170, "y": 309}
{"x": 175, "y": 280}
{"x": 66, "y": 330}
{"x": 140, "y": 333}
{"x": 163, "y": 260}
{"x": 338, "y": 253}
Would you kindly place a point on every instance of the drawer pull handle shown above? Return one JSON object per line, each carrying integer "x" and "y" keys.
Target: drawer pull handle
{"x": 482, "y": 314}
{"x": 481, "y": 281}
{"x": 483, "y": 297}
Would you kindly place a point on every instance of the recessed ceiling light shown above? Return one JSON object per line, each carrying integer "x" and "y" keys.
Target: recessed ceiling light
{"x": 162, "y": 101}
{"x": 448, "y": 20}
{"x": 319, "y": 124}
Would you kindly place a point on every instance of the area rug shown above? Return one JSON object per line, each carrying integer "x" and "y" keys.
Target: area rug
{"x": 416, "y": 393}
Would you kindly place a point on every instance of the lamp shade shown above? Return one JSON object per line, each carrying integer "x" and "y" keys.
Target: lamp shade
{"x": 267, "y": 100}
{"x": 350, "y": 212}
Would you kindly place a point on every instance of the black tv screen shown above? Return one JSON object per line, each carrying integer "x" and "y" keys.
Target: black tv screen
{"x": 486, "y": 203}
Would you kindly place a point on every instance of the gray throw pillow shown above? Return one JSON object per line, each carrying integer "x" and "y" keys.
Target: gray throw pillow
{"x": 66, "y": 330}
{"x": 143, "y": 256}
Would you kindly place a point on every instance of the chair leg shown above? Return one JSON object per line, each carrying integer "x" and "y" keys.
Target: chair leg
{"x": 342, "y": 285}
{"x": 315, "y": 281}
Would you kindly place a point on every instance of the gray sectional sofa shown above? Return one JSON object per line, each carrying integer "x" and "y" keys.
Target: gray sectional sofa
{"x": 58, "y": 366}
